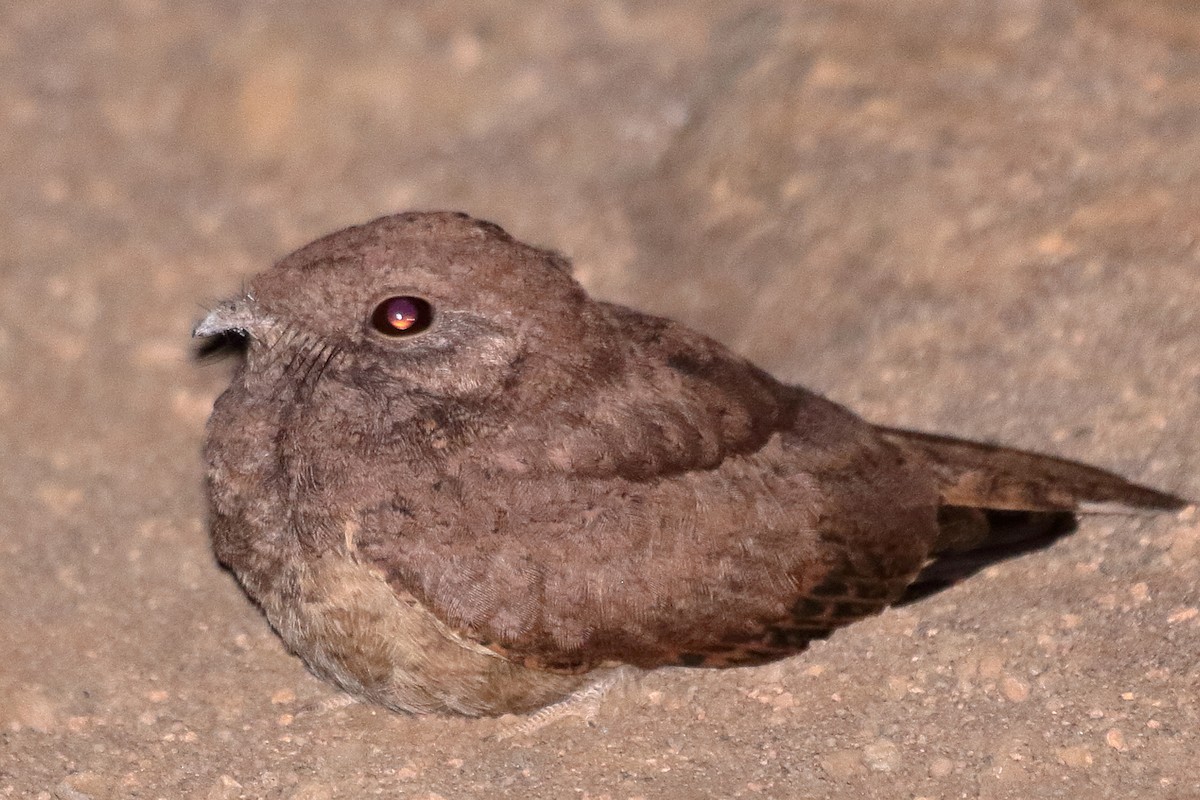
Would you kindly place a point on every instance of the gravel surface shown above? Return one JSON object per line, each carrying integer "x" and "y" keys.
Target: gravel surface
{"x": 970, "y": 217}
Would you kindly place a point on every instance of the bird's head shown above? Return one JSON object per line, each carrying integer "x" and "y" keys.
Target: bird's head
{"x": 437, "y": 305}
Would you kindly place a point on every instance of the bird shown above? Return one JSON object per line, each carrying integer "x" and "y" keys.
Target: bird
{"x": 456, "y": 483}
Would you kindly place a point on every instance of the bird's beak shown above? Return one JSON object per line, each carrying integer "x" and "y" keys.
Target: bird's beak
{"x": 231, "y": 316}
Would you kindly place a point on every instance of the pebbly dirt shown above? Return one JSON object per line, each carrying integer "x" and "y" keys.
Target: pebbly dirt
{"x": 971, "y": 217}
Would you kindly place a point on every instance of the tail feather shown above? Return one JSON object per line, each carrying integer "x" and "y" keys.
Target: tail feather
{"x": 998, "y": 503}
{"x": 977, "y": 475}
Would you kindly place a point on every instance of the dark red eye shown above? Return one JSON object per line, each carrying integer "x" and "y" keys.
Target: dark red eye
{"x": 401, "y": 316}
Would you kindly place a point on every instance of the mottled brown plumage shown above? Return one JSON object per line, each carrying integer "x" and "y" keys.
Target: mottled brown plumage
{"x": 483, "y": 511}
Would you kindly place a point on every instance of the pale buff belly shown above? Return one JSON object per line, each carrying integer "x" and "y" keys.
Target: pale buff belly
{"x": 352, "y": 629}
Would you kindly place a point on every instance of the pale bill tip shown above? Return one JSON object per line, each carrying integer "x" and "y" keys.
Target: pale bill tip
{"x": 228, "y": 317}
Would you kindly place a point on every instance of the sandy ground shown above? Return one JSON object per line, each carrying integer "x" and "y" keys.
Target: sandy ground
{"x": 970, "y": 217}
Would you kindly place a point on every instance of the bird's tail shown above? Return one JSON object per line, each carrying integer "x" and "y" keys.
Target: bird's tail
{"x": 977, "y": 475}
{"x": 998, "y": 502}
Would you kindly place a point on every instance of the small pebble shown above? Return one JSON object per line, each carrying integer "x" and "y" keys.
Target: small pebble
{"x": 842, "y": 764}
{"x": 283, "y": 697}
{"x": 1015, "y": 690}
{"x": 1076, "y": 757}
{"x": 1183, "y": 615}
{"x": 882, "y": 756}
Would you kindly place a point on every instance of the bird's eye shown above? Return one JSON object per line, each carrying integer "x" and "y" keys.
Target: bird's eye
{"x": 401, "y": 316}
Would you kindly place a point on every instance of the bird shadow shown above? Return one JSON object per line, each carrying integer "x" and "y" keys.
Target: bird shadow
{"x": 227, "y": 344}
{"x": 1013, "y": 534}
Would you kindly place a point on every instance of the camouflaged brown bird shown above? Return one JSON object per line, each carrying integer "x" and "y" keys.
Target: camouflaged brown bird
{"x": 454, "y": 482}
